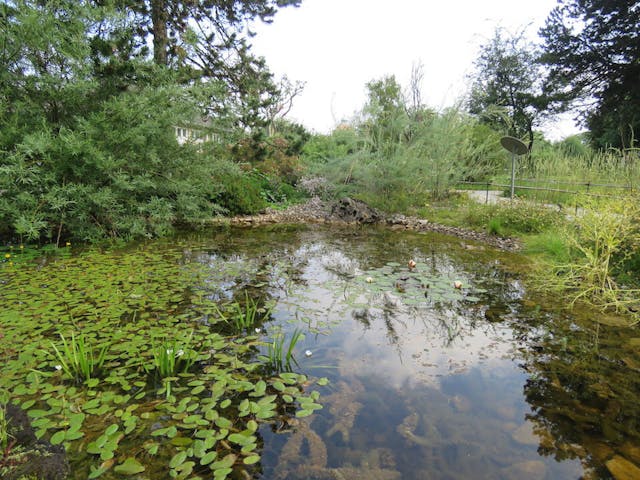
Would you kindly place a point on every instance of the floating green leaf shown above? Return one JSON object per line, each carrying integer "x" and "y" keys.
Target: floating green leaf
{"x": 129, "y": 467}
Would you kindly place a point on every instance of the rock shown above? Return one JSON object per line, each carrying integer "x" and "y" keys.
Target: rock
{"x": 349, "y": 210}
{"x": 529, "y": 470}
{"x": 623, "y": 469}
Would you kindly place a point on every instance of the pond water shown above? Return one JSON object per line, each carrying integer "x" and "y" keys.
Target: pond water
{"x": 447, "y": 370}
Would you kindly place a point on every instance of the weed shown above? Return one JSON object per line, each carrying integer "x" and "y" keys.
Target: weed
{"x": 513, "y": 218}
{"x": 551, "y": 244}
{"x": 77, "y": 359}
{"x": 173, "y": 357}
{"x": 279, "y": 359}
{"x": 244, "y": 317}
{"x": 494, "y": 227}
{"x": 598, "y": 239}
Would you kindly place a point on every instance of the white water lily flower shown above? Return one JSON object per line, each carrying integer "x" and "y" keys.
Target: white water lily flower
{"x": 58, "y": 367}
{"x": 258, "y": 330}
{"x": 308, "y": 353}
{"x": 179, "y": 353}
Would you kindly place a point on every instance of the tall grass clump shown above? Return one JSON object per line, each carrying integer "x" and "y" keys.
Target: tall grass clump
{"x": 572, "y": 166}
{"x": 600, "y": 239}
{"x": 244, "y": 317}
{"x": 172, "y": 357}
{"x": 77, "y": 358}
{"x": 399, "y": 154}
{"x": 279, "y": 355}
{"x": 4, "y": 428}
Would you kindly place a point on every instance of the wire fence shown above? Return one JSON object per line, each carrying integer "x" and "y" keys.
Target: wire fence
{"x": 553, "y": 194}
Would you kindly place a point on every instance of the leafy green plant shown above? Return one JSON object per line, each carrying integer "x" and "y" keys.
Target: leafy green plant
{"x": 172, "y": 357}
{"x": 552, "y": 244}
{"x": 247, "y": 316}
{"x": 278, "y": 357}
{"x": 77, "y": 359}
{"x": 494, "y": 227}
{"x": 4, "y": 429}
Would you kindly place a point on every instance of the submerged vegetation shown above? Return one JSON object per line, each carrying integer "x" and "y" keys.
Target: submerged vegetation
{"x": 148, "y": 385}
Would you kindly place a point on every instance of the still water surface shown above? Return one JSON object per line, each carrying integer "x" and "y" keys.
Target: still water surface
{"x": 426, "y": 380}
{"x": 430, "y": 381}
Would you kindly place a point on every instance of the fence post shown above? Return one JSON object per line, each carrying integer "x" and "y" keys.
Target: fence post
{"x": 486, "y": 198}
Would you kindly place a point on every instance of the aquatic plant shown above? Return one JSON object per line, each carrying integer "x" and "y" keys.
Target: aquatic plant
{"x": 77, "y": 359}
{"x": 4, "y": 433}
{"x": 247, "y": 316}
{"x": 139, "y": 301}
{"x": 172, "y": 357}
{"x": 279, "y": 359}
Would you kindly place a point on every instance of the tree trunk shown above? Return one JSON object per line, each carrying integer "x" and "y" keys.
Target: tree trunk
{"x": 159, "y": 19}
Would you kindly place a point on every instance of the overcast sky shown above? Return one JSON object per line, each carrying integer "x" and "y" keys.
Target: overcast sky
{"x": 337, "y": 46}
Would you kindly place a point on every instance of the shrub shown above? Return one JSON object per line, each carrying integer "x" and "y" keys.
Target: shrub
{"x": 241, "y": 194}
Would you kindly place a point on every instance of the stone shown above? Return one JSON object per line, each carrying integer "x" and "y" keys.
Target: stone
{"x": 350, "y": 210}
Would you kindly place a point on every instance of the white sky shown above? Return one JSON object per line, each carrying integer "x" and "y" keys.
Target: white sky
{"x": 337, "y": 46}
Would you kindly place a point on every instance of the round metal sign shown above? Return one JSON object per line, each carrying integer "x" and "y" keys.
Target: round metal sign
{"x": 514, "y": 145}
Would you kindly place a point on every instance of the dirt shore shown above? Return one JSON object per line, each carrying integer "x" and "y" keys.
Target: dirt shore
{"x": 318, "y": 211}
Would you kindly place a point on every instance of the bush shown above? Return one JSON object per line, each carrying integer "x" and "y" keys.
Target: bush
{"x": 118, "y": 172}
{"x": 242, "y": 194}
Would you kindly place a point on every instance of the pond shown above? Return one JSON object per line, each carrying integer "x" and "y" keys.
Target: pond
{"x": 449, "y": 369}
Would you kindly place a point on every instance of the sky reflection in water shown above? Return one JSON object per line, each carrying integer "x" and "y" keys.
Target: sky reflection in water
{"x": 428, "y": 389}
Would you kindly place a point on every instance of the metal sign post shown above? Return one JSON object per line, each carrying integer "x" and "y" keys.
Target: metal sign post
{"x": 516, "y": 147}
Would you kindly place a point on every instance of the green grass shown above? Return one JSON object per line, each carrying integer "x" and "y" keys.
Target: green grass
{"x": 551, "y": 244}
{"x": 245, "y": 317}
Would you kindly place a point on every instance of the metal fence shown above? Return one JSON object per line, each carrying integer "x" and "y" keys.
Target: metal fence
{"x": 580, "y": 188}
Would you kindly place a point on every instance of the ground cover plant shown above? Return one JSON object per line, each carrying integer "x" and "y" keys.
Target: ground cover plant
{"x": 125, "y": 361}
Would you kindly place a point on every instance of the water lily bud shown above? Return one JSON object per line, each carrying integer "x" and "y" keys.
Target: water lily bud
{"x": 308, "y": 353}
{"x": 457, "y": 284}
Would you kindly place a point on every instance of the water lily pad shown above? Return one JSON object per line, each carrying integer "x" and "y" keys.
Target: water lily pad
{"x": 129, "y": 467}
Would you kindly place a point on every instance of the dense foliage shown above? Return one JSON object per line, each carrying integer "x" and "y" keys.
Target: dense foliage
{"x": 506, "y": 92}
{"x": 592, "y": 49}
{"x": 398, "y": 155}
{"x": 87, "y": 145}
